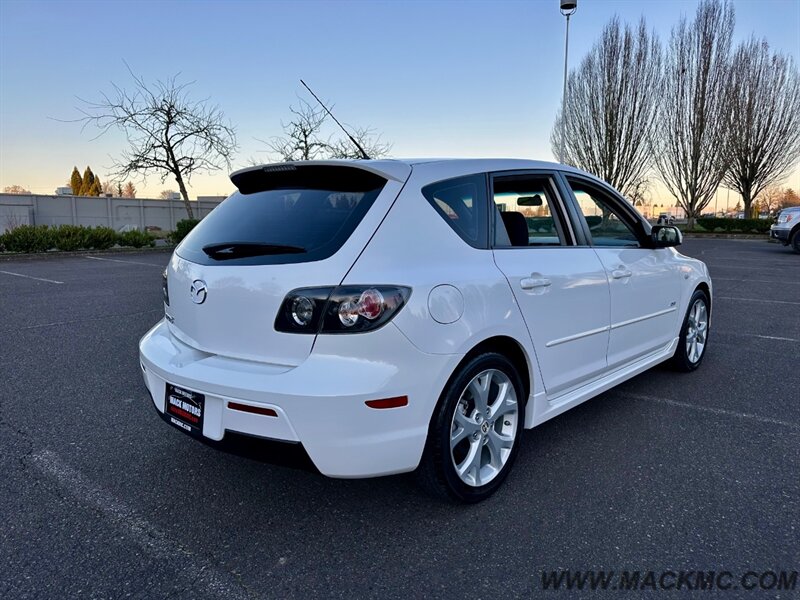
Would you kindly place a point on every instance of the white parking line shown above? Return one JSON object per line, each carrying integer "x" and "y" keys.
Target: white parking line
{"x": 757, "y": 300}
{"x": 740, "y": 280}
{"x": 762, "y": 337}
{"x": 31, "y": 277}
{"x": 182, "y": 562}
{"x": 55, "y": 323}
{"x": 711, "y": 410}
{"x": 129, "y": 262}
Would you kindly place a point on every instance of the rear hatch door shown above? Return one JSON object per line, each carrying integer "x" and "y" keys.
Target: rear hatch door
{"x": 288, "y": 226}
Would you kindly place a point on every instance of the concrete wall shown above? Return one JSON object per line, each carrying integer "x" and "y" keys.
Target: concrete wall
{"x": 117, "y": 213}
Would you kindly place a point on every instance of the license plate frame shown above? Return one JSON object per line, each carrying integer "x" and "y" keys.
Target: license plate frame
{"x": 185, "y": 409}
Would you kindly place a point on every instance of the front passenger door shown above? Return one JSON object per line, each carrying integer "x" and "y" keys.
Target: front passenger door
{"x": 644, "y": 282}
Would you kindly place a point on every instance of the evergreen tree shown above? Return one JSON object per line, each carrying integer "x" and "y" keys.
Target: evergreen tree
{"x": 97, "y": 186}
{"x": 75, "y": 181}
{"x": 129, "y": 191}
{"x": 119, "y": 189}
{"x": 88, "y": 180}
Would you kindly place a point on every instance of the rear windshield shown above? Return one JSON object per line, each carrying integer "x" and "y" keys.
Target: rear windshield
{"x": 284, "y": 214}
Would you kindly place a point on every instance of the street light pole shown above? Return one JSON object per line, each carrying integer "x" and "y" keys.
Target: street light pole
{"x": 567, "y": 8}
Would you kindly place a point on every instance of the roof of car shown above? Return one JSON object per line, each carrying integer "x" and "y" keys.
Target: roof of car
{"x": 399, "y": 168}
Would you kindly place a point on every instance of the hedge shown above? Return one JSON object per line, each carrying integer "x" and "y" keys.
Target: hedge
{"x": 741, "y": 225}
{"x": 41, "y": 238}
{"x": 136, "y": 238}
{"x": 182, "y": 229}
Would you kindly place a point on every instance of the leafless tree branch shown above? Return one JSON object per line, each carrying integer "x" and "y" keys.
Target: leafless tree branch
{"x": 612, "y": 101}
{"x": 168, "y": 133}
{"x": 764, "y": 125}
{"x": 691, "y": 133}
{"x": 304, "y": 137}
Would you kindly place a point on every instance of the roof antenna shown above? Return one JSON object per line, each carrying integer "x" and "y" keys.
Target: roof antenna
{"x": 352, "y": 139}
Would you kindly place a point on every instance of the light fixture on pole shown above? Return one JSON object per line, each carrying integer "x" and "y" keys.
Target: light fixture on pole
{"x": 568, "y": 8}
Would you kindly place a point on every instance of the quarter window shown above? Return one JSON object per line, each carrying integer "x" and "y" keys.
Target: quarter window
{"x": 461, "y": 202}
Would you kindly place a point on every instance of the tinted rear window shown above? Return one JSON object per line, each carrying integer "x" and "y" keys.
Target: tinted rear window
{"x": 290, "y": 213}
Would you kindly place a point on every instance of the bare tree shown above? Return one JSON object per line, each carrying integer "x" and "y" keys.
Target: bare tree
{"x": 612, "y": 105}
{"x": 771, "y": 197}
{"x": 764, "y": 91}
{"x": 690, "y": 138}
{"x": 15, "y": 189}
{"x": 366, "y": 137}
{"x": 301, "y": 135}
{"x": 306, "y": 137}
{"x": 168, "y": 133}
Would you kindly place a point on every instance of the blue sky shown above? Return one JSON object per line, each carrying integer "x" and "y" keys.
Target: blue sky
{"x": 437, "y": 78}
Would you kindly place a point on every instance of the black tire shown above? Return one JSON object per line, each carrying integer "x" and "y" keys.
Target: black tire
{"x": 795, "y": 241}
{"x": 437, "y": 473}
{"x": 682, "y": 360}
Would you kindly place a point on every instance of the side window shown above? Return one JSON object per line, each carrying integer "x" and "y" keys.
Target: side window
{"x": 526, "y": 212}
{"x": 606, "y": 222}
{"x": 461, "y": 202}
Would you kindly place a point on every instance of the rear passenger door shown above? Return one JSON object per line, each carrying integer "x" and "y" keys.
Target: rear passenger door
{"x": 560, "y": 286}
{"x": 644, "y": 282}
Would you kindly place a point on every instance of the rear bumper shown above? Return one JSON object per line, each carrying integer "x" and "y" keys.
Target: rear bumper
{"x": 320, "y": 403}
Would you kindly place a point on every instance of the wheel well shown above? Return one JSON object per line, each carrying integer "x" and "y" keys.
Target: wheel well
{"x": 511, "y": 349}
{"x": 704, "y": 286}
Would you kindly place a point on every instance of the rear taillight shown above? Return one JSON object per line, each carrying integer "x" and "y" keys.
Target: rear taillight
{"x": 343, "y": 309}
{"x": 165, "y": 287}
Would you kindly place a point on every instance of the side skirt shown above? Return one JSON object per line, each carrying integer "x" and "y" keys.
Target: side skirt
{"x": 545, "y": 408}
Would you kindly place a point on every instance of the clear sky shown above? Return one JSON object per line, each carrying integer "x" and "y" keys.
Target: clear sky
{"x": 437, "y": 78}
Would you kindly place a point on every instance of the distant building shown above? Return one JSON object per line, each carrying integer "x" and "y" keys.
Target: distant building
{"x": 64, "y": 191}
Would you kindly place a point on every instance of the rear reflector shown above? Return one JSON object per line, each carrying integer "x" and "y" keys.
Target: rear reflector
{"x": 388, "y": 402}
{"x": 256, "y": 410}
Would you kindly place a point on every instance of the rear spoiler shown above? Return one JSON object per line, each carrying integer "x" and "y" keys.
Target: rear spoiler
{"x": 344, "y": 175}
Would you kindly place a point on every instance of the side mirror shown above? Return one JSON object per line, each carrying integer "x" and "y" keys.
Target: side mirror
{"x": 666, "y": 236}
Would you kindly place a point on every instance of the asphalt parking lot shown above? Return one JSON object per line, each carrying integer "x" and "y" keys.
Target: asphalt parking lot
{"x": 99, "y": 498}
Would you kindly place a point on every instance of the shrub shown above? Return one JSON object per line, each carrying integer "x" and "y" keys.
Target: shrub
{"x": 740, "y": 225}
{"x": 100, "y": 238}
{"x": 28, "y": 238}
{"x": 182, "y": 229}
{"x": 135, "y": 238}
{"x": 68, "y": 237}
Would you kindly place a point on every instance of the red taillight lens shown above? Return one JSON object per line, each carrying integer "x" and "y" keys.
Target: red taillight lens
{"x": 344, "y": 309}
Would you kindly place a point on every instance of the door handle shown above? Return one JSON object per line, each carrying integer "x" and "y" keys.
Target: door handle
{"x": 531, "y": 283}
{"x": 620, "y": 273}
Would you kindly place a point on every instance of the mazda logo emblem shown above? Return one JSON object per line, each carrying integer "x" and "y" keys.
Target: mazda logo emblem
{"x": 199, "y": 291}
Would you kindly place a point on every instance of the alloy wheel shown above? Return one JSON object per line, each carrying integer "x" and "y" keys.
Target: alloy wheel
{"x": 484, "y": 427}
{"x": 697, "y": 331}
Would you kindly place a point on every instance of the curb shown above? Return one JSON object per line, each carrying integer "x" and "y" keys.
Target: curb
{"x": 59, "y": 254}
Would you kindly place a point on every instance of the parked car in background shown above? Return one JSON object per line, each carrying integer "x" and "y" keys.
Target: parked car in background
{"x": 387, "y": 315}
{"x": 786, "y": 228}
{"x": 665, "y": 219}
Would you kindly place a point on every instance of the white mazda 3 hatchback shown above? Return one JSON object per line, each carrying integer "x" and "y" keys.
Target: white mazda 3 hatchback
{"x": 386, "y": 315}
